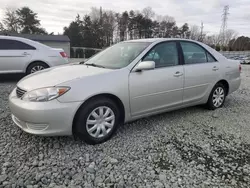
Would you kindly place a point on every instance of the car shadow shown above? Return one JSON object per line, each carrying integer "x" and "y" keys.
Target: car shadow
{"x": 5, "y": 78}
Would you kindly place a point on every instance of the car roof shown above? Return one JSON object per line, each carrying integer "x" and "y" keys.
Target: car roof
{"x": 152, "y": 40}
{"x": 28, "y": 41}
{"x": 40, "y": 38}
{"x": 10, "y": 37}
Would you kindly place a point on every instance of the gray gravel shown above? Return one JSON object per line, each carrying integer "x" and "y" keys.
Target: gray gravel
{"x": 192, "y": 147}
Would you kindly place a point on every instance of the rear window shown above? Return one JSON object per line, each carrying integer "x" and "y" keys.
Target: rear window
{"x": 194, "y": 53}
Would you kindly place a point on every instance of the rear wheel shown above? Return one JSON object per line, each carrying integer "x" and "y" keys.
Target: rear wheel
{"x": 34, "y": 67}
{"x": 217, "y": 97}
{"x": 97, "y": 120}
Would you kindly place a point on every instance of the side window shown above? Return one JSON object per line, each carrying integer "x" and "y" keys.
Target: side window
{"x": 6, "y": 44}
{"x": 164, "y": 55}
{"x": 3, "y": 44}
{"x": 193, "y": 53}
{"x": 210, "y": 58}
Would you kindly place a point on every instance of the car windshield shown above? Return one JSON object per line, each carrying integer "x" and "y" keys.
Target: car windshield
{"x": 118, "y": 56}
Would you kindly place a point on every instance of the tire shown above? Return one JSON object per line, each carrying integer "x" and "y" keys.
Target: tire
{"x": 211, "y": 103}
{"x": 82, "y": 129}
{"x": 37, "y": 66}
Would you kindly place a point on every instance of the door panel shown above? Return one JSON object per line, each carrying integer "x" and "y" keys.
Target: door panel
{"x": 14, "y": 55}
{"x": 160, "y": 88}
{"x": 156, "y": 89}
{"x": 199, "y": 78}
{"x": 201, "y": 72}
{"x": 14, "y": 60}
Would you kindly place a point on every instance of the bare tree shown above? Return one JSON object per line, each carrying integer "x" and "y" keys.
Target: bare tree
{"x": 11, "y": 20}
{"x": 212, "y": 39}
{"x": 194, "y": 32}
{"x": 229, "y": 35}
{"x": 148, "y": 12}
{"x": 165, "y": 18}
{"x": 1, "y": 27}
{"x": 209, "y": 40}
{"x": 109, "y": 24}
{"x": 95, "y": 13}
{"x": 167, "y": 26}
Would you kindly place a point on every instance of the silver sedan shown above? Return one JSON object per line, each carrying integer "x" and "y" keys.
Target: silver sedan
{"x": 127, "y": 81}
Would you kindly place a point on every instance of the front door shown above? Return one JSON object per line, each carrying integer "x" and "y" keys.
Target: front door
{"x": 160, "y": 88}
{"x": 14, "y": 55}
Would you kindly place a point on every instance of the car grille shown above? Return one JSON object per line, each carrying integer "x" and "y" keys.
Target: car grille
{"x": 20, "y": 92}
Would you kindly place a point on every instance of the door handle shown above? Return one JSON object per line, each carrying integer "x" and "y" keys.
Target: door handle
{"x": 178, "y": 74}
{"x": 215, "y": 68}
{"x": 25, "y": 53}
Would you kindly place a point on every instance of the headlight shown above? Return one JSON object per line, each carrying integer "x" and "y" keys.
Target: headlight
{"x": 44, "y": 94}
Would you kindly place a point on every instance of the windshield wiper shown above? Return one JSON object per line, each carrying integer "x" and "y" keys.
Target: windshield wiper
{"x": 94, "y": 65}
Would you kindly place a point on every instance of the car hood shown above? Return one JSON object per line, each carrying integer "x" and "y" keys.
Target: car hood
{"x": 58, "y": 75}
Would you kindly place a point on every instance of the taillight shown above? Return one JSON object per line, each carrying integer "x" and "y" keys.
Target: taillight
{"x": 63, "y": 54}
{"x": 240, "y": 68}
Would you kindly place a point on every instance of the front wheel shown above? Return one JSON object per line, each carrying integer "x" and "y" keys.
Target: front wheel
{"x": 217, "y": 97}
{"x": 97, "y": 120}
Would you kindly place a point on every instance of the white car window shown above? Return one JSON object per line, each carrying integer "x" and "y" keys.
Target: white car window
{"x": 193, "y": 53}
{"x": 164, "y": 55}
{"x": 7, "y": 44}
{"x": 118, "y": 56}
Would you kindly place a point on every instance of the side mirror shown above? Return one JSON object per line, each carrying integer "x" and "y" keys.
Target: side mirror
{"x": 145, "y": 65}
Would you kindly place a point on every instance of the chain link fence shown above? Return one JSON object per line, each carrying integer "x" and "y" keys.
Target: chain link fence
{"x": 83, "y": 52}
{"x": 236, "y": 54}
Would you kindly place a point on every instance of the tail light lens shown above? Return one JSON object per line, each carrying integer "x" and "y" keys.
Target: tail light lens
{"x": 63, "y": 54}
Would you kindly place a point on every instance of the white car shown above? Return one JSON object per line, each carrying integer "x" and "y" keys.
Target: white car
{"x": 20, "y": 55}
{"x": 127, "y": 81}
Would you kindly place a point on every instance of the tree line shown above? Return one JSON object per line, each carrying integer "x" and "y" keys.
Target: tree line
{"x": 22, "y": 20}
{"x": 101, "y": 28}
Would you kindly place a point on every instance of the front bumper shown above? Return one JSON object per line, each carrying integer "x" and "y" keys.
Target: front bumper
{"x": 51, "y": 118}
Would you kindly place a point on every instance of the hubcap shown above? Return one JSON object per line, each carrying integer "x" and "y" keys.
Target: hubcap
{"x": 100, "y": 122}
{"x": 37, "y": 68}
{"x": 218, "y": 97}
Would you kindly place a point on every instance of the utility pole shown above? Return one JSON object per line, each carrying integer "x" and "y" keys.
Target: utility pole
{"x": 201, "y": 34}
{"x": 224, "y": 23}
{"x": 101, "y": 26}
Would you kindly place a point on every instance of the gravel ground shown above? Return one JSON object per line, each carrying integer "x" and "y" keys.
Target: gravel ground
{"x": 191, "y": 147}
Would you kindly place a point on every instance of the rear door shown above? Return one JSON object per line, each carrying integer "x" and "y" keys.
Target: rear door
{"x": 14, "y": 55}
{"x": 201, "y": 71}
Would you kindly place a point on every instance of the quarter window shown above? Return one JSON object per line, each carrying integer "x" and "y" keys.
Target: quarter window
{"x": 210, "y": 58}
{"x": 193, "y": 53}
{"x": 6, "y": 44}
{"x": 164, "y": 55}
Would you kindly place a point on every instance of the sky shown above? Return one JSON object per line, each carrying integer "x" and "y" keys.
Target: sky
{"x": 55, "y": 14}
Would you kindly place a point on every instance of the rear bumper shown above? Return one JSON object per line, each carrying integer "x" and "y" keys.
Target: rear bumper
{"x": 51, "y": 118}
{"x": 57, "y": 61}
{"x": 234, "y": 85}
